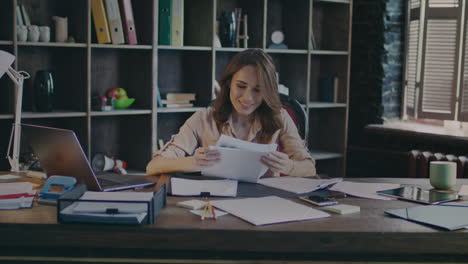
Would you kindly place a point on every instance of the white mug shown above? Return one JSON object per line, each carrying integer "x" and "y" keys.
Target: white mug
{"x": 61, "y": 28}
{"x": 22, "y": 32}
{"x": 33, "y": 33}
{"x": 44, "y": 34}
{"x": 443, "y": 174}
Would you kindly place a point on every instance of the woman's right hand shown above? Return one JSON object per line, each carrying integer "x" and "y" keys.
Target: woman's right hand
{"x": 206, "y": 157}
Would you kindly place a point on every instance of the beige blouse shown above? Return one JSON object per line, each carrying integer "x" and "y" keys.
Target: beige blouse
{"x": 200, "y": 130}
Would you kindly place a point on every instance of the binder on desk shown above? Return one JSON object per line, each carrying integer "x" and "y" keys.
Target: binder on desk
{"x": 100, "y": 21}
{"x": 177, "y": 34}
{"x": 80, "y": 206}
{"x": 128, "y": 22}
{"x": 115, "y": 22}
{"x": 165, "y": 21}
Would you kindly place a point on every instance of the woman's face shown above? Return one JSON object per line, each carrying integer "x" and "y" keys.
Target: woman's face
{"x": 245, "y": 92}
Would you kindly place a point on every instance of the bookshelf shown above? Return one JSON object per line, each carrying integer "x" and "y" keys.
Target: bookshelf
{"x": 85, "y": 69}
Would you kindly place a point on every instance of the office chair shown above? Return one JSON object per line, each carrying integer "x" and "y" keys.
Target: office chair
{"x": 296, "y": 111}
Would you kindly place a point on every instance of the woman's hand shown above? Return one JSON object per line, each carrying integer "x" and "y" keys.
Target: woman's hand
{"x": 278, "y": 162}
{"x": 205, "y": 157}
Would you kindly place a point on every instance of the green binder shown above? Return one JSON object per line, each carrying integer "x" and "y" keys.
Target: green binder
{"x": 165, "y": 21}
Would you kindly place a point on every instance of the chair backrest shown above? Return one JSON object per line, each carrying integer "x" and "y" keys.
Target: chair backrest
{"x": 296, "y": 111}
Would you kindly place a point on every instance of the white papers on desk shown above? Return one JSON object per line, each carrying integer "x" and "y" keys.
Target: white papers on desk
{"x": 184, "y": 187}
{"x": 463, "y": 190}
{"x": 16, "y": 195}
{"x": 240, "y": 160}
{"x": 268, "y": 210}
{"x": 132, "y": 208}
{"x": 297, "y": 184}
{"x": 364, "y": 190}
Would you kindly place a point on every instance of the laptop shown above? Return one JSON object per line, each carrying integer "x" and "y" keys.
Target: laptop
{"x": 60, "y": 153}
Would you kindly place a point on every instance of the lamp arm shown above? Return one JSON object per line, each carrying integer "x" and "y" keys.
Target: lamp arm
{"x": 18, "y": 79}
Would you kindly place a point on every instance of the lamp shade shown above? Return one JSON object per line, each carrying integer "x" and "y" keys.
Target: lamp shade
{"x": 6, "y": 59}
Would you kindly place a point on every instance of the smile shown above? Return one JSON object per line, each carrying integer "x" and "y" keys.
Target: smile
{"x": 245, "y": 106}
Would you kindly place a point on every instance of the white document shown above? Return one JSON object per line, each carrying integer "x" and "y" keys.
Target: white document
{"x": 268, "y": 210}
{"x": 463, "y": 190}
{"x": 109, "y": 197}
{"x": 364, "y": 190}
{"x": 298, "y": 184}
{"x": 240, "y": 160}
{"x": 24, "y": 195}
{"x": 184, "y": 187}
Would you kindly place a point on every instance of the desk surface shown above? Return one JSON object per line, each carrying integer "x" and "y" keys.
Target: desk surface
{"x": 177, "y": 234}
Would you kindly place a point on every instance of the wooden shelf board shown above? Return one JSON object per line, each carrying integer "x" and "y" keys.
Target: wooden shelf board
{"x": 178, "y": 109}
{"x": 328, "y": 52}
{"x": 123, "y": 46}
{"x": 287, "y": 51}
{"x": 54, "y": 114}
{"x": 164, "y": 47}
{"x": 6, "y": 42}
{"x": 229, "y": 49}
{"x": 52, "y": 44}
{"x": 334, "y": 1}
{"x": 323, "y": 155}
{"x": 7, "y": 116}
{"x": 121, "y": 112}
{"x": 325, "y": 105}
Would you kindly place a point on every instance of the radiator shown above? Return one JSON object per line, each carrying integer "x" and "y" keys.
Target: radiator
{"x": 418, "y": 163}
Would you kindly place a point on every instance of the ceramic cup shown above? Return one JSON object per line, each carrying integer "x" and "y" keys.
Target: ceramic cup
{"x": 61, "y": 28}
{"x": 22, "y": 32}
{"x": 33, "y": 33}
{"x": 44, "y": 34}
{"x": 443, "y": 174}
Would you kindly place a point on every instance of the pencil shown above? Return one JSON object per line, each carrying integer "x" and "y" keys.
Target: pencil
{"x": 212, "y": 211}
{"x": 204, "y": 212}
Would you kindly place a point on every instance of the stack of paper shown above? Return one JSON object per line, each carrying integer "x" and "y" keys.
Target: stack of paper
{"x": 297, "y": 184}
{"x": 186, "y": 187}
{"x": 16, "y": 195}
{"x": 132, "y": 207}
{"x": 240, "y": 160}
{"x": 363, "y": 189}
{"x": 268, "y": 210}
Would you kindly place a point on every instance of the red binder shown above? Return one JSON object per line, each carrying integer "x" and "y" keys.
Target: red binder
{"x": 128, "y": 22}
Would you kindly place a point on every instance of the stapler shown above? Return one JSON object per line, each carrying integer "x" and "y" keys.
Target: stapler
{"x": 56, "y": 186}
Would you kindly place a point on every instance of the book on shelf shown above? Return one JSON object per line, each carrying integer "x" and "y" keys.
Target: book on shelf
{"x": 115, "y": 21}
{"x": 177, "y": 34}
{"x": 179, "y": 105}
{"x": 19, "y": 16}
{"x": 165, "y": 22}
{"x": 100, "y": 21}
{"x": 26, "y": 19}
{"x": 328, "y": 89}
{"x": 128, "y": 22}
{"x": 180, "y": 96}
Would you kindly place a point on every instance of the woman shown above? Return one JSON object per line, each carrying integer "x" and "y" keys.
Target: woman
{"x": 248, "y": 108}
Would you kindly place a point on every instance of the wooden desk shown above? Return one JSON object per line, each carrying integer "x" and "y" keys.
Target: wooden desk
{"x": 180, "y": 237}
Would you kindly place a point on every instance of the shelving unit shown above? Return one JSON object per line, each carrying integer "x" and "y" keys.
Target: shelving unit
{"x": 85, "y": 69}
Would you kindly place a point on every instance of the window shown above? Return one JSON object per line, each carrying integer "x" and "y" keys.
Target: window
{"x": 436, "y": 70}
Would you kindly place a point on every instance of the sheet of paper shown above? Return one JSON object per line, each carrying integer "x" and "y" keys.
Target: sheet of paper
{"x": 463, "y": 190}
{"x": 268, "y": 210}
{"x": 16, "y": 188}
{"x": 298, "y": 184}
{"x": 185, "y": 187}
{"x": 240, "y": 160}
{"x": 8, "y": 177}
{"x": 364, "y": 190}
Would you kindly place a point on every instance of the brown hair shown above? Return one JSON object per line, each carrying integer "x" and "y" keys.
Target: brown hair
{"x": 269, "y": 110}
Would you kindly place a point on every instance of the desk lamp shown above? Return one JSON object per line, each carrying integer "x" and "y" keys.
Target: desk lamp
{"x": 6, "y": 59}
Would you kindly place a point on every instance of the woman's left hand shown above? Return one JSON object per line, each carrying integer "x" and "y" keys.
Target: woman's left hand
{"x": 278, "y": 162}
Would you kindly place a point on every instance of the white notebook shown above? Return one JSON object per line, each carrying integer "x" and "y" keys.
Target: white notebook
{"x": 268, "y": 210}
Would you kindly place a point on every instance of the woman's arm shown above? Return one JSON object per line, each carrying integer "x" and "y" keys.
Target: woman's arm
{"x": 279, "y": 162}
{"x": 204, "y": 157}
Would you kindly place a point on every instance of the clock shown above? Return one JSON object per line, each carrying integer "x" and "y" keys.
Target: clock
{"x": 277, "y": 37}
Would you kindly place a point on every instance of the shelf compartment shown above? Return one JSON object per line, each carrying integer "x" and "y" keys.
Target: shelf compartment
{"x": 121, "y": 112}
{"x": 291, "y": 19}
{"x": 198, "y": 23}
{"x": 6, "y": 20}
{"x": 292, "y": 72}
{"x": 330, "y": 25}
{"x": 169, "y": 124}
{"x": 128, "y": 139}
{"x": 179, "y": 110}
{"x": 69, "y": 75}
{"x": 123, "y": 68}
{"x": 182, "y": 71}
{"x": 41, "y": 13}
{"x": 327, "y": 130}
{"x": 254, "y": 10}
{"x": 323, "y": 71}
{"x": 8, "y": 88}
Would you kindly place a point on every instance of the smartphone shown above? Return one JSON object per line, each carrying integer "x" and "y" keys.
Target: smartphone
{"x": 318, "y": 200}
